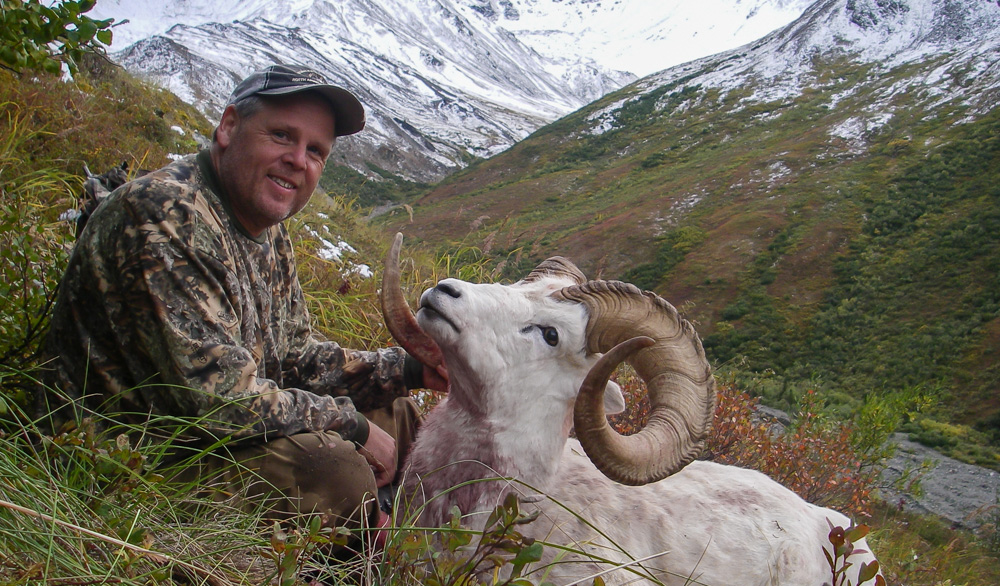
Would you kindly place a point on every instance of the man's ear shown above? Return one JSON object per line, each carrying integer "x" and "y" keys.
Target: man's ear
{"x": 227, "y": 126}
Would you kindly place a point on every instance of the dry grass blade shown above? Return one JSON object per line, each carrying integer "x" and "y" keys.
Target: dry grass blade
{"x": 197, "y": 572}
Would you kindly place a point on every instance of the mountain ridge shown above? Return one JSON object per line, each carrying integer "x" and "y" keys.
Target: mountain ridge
{"x": 765, "y": 75}
{"x": 443, "y": 81}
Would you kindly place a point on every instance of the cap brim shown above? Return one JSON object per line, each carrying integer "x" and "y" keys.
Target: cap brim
{"x": 348, "y": 113}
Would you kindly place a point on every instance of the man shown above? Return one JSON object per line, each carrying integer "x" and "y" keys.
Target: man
{"x": 181, "y": 302}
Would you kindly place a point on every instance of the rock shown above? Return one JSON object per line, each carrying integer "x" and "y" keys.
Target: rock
{"x": 962, "y": 493}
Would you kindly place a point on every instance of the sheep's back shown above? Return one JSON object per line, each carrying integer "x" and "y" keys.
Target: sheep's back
{"x": 718, "y": 524}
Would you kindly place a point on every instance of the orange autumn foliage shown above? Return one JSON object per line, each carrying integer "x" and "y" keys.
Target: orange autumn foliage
{"x": 814, "y": 457}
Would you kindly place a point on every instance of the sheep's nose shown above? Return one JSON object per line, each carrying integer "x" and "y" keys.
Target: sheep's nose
{"x": 448, "y": 289}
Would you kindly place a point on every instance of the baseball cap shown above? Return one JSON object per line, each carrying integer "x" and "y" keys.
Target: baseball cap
{"x": 279, "y": 80}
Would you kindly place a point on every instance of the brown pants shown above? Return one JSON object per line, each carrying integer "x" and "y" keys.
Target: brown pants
{"x": 318, "y": 472}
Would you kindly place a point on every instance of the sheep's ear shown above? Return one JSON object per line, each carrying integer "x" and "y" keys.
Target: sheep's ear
{"x": 614, "y": 400}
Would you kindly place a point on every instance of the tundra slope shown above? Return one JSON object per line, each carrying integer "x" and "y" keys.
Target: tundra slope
{"x": 525, "y": 365}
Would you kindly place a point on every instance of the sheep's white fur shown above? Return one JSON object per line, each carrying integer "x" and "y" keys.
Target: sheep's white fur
{"x": 509, "y": 413}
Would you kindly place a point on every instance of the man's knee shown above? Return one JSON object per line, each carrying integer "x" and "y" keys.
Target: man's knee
{"x": 312, "y": 473}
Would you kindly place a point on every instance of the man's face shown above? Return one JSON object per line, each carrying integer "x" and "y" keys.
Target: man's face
{"x": 269, "y": 163}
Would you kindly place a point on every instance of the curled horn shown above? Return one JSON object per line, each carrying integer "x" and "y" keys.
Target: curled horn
{"x": 556, "y": 266}
{"x": 669, "y": 358}
{"x": 400, "y": 320}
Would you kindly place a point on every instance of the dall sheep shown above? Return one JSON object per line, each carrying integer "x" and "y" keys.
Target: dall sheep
{"x": 525, "y": 365}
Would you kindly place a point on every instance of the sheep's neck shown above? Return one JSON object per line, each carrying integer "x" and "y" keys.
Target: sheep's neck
{"x": 533, "y": 446}
{"x": 456, "y": 445}
{"x": 524, "y": 441}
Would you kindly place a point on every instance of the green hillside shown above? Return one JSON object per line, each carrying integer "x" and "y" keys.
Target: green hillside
{"x": 813, "y": 249}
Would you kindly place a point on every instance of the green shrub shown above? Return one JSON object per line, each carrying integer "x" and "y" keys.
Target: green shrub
{"x": 48, "y": 35}
{"x": 32, "y": 247}
{"x": 671, "y": 250}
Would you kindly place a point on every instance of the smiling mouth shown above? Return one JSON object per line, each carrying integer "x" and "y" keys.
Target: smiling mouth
{"x": 282, "y": 182}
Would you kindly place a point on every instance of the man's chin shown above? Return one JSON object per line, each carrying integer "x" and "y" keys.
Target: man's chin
{"x": 277, "y": 211}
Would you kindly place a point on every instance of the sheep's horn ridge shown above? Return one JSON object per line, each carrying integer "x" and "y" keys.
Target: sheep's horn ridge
{"x": 674, "y": 368}
{"x": 400, "y": 321}
{"x": 556, "y": 266}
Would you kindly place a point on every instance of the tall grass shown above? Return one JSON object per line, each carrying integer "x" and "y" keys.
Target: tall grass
{"x": 89, "y": 504}
{"x": 33, "y": 246}
{"x": 927, "y": 550}
{"x": 100, "y": 501}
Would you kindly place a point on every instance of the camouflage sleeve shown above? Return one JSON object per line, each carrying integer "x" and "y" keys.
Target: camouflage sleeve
{"x": 372, "y": 379}
{"x": 187, "y": 328}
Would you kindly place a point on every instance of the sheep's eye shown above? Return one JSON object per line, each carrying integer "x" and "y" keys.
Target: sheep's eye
{"x": 550, "y": 335}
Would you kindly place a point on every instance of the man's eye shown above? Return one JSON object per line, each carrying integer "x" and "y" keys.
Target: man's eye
{"x": 550, "y": 335}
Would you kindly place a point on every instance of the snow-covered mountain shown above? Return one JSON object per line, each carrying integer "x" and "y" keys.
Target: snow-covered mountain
{"x": 952, "y": 46}
{"x": 441, "y": 79}
{"x": 960, "y": 38}
{"x": 813, "y": 97}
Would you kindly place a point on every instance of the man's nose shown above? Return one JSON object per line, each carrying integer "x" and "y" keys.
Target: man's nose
{"x": 296, "y": 156}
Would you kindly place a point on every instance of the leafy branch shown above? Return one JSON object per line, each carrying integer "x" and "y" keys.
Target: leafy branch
{"x": 36, "y": 36}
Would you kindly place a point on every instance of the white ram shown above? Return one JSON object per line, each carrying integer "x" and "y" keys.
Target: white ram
{"x": 518, "y": 356}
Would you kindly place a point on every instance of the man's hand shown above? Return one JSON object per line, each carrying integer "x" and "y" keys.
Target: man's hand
{"x": 380, "y": 451}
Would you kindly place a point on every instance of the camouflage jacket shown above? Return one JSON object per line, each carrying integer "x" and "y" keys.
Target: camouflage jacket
{"x": 169, "y": 308}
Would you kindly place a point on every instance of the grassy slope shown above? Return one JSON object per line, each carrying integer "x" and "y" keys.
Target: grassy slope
{"x": 107, "y": 117}
{"x": 844, "y": 266}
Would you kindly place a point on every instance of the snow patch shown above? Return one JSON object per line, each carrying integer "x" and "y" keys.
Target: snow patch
{"x": 777, "y": 170}
{"x": 605, "y": 117}
{"x": 665, "y": 220}
{"x": 856, "y": 130}
{"x": 334, "y": 248}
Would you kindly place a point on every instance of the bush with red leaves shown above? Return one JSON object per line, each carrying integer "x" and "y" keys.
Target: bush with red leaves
{"x": 814, "y": 457}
